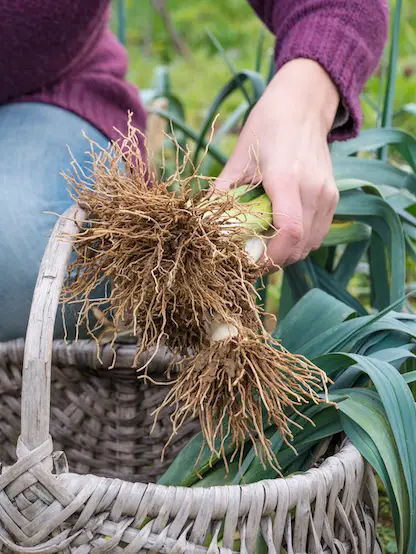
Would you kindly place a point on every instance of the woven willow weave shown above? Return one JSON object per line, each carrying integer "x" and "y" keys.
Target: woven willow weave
{"x": 101, "y": 420}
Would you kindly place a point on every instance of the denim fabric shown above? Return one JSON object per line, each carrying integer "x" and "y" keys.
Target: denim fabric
{"x": 34, "y": 141}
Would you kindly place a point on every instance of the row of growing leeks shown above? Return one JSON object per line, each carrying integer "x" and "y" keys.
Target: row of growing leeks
{"x": 369, "y": 360}
{"x": 366, "y": 348}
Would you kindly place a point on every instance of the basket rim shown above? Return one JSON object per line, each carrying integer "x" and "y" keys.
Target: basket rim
{"x": 323, "y": 497}
{"x": 336, "y": 472}
{"x": 334, "y": 465}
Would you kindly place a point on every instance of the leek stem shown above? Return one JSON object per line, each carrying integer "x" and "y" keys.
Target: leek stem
{"x": 220, "y": 330}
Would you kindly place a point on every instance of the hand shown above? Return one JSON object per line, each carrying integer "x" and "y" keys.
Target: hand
{"x": 287, "y": 130}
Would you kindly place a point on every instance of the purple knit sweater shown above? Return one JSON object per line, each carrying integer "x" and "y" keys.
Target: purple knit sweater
{"x": 63, "y": 53}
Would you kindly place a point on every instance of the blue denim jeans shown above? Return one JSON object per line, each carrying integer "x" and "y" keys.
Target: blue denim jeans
{"x": 34, "y": 141}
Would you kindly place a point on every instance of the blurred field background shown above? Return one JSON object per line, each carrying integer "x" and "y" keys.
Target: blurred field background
{"x": 197, "y": 71}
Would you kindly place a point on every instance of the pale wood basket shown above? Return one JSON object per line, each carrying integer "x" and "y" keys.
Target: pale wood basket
{"x": 101, "y": 420}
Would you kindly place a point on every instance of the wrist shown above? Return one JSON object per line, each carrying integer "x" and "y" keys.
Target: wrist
{"x": 307, "y": 92}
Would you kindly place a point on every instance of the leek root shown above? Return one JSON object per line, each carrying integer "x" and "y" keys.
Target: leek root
{"x": 181, "y": 269}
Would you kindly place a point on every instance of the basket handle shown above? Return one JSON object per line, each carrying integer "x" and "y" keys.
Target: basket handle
{"x": 36, "y": 379}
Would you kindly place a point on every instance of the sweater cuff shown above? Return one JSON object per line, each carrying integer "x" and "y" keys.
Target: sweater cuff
{"x": 344, "y": 58}
{"x": 341, "y": 117}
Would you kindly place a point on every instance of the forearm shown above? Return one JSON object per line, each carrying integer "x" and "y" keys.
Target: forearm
{"x": 306, "y": 91}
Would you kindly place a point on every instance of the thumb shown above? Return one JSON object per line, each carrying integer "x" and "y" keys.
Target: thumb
{"x": 238, "y": 170}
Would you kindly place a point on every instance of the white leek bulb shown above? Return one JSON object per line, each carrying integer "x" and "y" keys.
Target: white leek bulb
{"x": 221, "y": 330}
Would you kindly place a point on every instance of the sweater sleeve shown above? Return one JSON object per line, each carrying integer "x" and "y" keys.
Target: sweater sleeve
{"x": 43, "y": 40}
{"x": 346, "y": 37}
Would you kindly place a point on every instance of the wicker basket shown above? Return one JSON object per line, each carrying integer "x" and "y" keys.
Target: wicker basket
{"x": 101, "y": 420}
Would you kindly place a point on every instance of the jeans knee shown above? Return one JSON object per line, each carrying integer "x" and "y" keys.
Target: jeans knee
{"x": 31, "y": 185}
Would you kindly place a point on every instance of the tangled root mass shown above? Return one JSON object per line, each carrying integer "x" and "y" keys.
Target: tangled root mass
{"x": 174, "y": 261}
{"x": 239, "y": 387}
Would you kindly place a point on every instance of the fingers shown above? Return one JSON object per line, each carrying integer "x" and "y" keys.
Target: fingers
{"x": 242, "y": 166}
{"x": 228, "y": 176}
{"x": 310, "y": 212}
{"x": 287, "y": 245}
{"x": 234, "y": 170}
{"x": 303, "y": 212}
